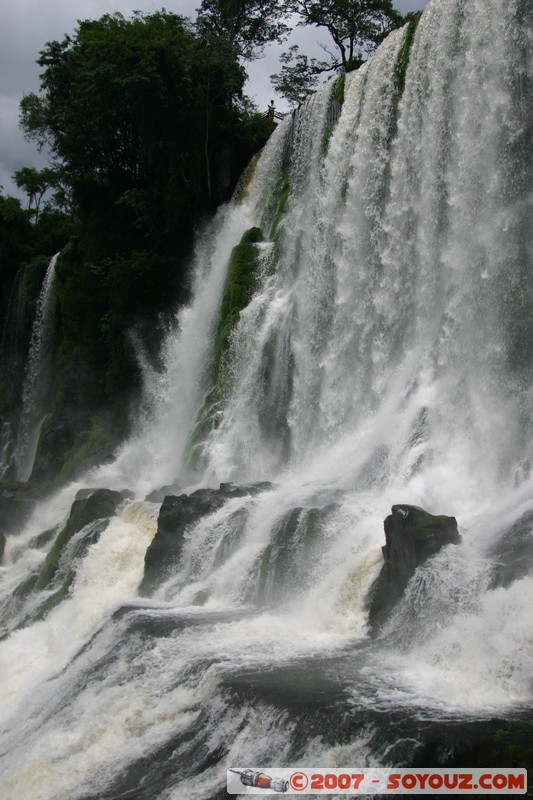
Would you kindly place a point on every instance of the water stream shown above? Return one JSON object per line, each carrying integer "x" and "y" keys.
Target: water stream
{"x": 36, "y": 378}
{"x": 382, "y": 358}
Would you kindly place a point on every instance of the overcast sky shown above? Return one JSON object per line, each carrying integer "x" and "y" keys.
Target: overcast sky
{"x": 26, "y": 25}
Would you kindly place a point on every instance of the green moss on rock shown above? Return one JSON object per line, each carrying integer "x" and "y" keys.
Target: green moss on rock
{"x": 51, "y": 602}
{"x": 405, "y": 52}
{"x": 340, "y": 86}
{"x": 277, "y": 205}
{"x": 335, "y": 107}
{"x": 49, "y": 567}
{"x": 241, "y": 282}
{"x": 26, "y": 587}
{"x": 101, "y": 504}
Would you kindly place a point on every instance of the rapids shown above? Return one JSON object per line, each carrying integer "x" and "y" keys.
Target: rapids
{"x": 384, "y": 356}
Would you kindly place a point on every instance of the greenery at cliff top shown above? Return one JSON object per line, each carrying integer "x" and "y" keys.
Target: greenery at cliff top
{"x": 356, "y": 28}
{"x": 149, "y": 131}
{"x": 405, "y": 52}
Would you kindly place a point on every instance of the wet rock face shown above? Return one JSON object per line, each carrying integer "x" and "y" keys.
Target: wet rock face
{"x": 89, "y": 516}
{"x": 512, "y": 555}
{"x": 100, "y": 504}
{"x": 175, "y": 516}
{"x": 158, "y": 495}
{"x": 287, "y": 561}
{"x": 412, "y": 535}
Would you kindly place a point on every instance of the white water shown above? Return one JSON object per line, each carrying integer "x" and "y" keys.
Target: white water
{"x": 33, "y": 394}
{"x": 6, "y": 443}
{"x": 394, "y": 303}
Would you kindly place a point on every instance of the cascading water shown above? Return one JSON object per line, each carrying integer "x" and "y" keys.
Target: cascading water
{"x": 381, "y": 355}
{"x": 34, "y": 391}
{"x": 6, "y": 443}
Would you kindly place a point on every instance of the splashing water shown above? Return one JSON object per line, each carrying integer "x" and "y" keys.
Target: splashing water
{"x": 382, "y": 357}
{"x": 35, "y": 381}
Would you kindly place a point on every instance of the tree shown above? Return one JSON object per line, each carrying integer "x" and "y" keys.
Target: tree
{"x": 248, "y": 25}
{"x": 299, "y": 75}
{"x": 148, "y": 130}
{"x": 356, "y": 28}
{"x": 35, "y": 183}
{"x": 135, "y": 111}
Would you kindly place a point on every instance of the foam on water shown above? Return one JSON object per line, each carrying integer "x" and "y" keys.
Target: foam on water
{"x": 381, "y": 360}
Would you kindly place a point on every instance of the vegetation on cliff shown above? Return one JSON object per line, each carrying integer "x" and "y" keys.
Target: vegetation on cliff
{"x": 355, "y": 28}
{"x": 149, "y": 130}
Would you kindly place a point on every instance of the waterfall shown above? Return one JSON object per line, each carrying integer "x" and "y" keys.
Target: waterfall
{"x": 35, "y": 380}
{"x": 6, "y": 441}
{"x": 358, "y": 337}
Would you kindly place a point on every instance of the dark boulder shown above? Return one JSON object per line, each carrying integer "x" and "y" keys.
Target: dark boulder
{"x": 2, "y": 546}
{"x": 100, "y": 504}
{"x": 91, "y": 509}
{"x": 412, "y": 535}
{"x": 232, "y": 490}
{"x": 201, "y": 598}
{"x": 158, "y": 495}
{"x": 175, "y": 516}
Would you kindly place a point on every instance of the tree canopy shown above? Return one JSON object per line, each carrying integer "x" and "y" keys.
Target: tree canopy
{"x": 130, "y": 107}
{"x": 35, "y": 183}
{"x": 356, "y": 28}
{"x": 248, "y": 25}
{"x": 148, "y": 130}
